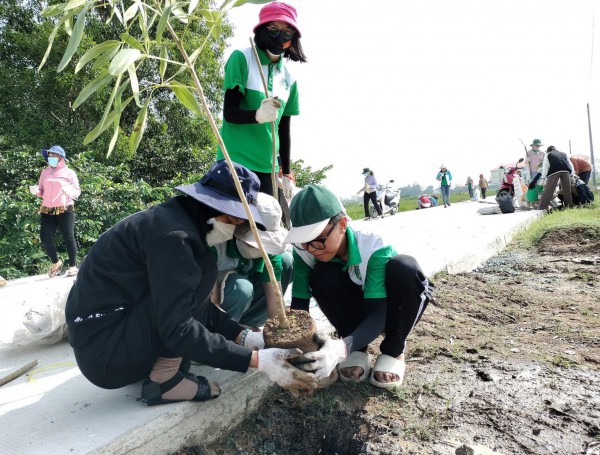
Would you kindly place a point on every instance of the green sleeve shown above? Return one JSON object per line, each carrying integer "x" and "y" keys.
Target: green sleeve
{"x": 302, "y": 272}
{"x": 277, "y": 263}
{"x": 292, "y": 105}
{"x": 236, "y": 72}
{"x": 374, "y": 287}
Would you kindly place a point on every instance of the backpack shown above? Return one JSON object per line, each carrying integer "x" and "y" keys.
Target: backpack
{"x": 506, "y": 204}
{"x": 584, "y": 194}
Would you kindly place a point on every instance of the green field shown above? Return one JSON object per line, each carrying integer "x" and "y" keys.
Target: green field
{"x": 356, "y": 211}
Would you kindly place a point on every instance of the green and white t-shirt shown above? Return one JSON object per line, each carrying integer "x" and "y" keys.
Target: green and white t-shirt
{"x": 367, "y": 261}
{"x": 251, "y": 145}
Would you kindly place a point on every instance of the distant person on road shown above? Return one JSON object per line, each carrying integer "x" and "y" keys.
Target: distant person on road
{"x": 556, "y": 167}
{"x": 483, "y": 186}
{"x": 363, "y": 286}
{"x": 583, "y": 168}
{"x": 470, "y": 187}
{"x": 58, "y": 187}
{"x": 247, "y": 113}
{"x": 534, "y": 157}
{"x": 370, "y": 192}
{"x": 444, "y": 176}
{"x": 140, "y": 307}
{"x": 423, "y": 202}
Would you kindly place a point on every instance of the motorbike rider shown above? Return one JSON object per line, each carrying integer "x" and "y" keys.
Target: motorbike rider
{"x": 370, "y": 192}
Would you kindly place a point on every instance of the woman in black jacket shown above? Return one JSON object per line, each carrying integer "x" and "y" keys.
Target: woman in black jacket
{"x": 141, "y": 302}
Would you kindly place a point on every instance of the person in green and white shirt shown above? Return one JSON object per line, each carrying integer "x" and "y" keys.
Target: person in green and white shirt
{"x": 363, "y": 286}
{"x": 243, "y": 288}
{"x": 247, "y": 113}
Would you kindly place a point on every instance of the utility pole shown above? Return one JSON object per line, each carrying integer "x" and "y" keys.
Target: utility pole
{"x": 592, "y": 149}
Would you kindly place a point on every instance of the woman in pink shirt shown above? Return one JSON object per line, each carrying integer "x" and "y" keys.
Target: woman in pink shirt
{"x": 59, "y": 188}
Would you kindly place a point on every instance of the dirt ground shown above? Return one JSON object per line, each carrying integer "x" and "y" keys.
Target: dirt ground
{"x": 506, "y": 361}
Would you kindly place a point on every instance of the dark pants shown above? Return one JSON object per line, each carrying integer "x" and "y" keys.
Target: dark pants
{"x": 125, "y": 351}
{"x": 373, "y": 198}
{"x": 342, "y": 301}
{"x": 266, "y": 184}
{"x": 483, "y": 191}
{"x": 585, "y": 176}
{"x": 65, "y": 222}
{"x": 550, "y": 186}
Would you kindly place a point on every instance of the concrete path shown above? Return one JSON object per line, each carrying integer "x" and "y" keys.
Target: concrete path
{"x": 55, "y": 410}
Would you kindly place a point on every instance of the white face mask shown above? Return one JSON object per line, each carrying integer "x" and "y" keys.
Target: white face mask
{"x": 221, "y": 232}
{"x": 247, "y": 251}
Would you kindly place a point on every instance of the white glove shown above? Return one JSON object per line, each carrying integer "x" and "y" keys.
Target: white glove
{"x": 274, "y": 363}
{"x": 288, "y": 186}
{"x": 34, "y": 189}
{"x": 324, "y": 361}
{"x": 254, "y": 340}
{"x": 268, "y": 110}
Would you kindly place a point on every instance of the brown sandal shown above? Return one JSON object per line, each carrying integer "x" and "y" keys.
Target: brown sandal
{"x": 55, "y": 269}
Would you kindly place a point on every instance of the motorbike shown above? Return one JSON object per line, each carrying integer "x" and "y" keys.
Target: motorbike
{"x": 507, "y": 186}
{"x": 388, "y": 200}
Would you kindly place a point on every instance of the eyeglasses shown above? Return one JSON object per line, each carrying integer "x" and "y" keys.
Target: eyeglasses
{"x": 285, "y": 32}
{"x": 316, "y": 244}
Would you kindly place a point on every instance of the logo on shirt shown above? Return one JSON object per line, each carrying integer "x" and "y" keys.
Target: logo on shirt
{"x": 356, "y": 271}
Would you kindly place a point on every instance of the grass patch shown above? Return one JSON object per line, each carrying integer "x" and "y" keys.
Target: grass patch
{"x": 585, "y": 217}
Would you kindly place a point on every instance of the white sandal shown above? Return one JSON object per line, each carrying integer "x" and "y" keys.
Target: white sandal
{"x": 388, "y": 364}
{"x": 356, "y": 359}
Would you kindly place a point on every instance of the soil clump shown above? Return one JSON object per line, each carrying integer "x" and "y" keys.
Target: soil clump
{"x": 505, "y": 361}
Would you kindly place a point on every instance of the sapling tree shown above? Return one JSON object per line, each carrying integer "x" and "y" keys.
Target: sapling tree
{"x": 152, "y": 34}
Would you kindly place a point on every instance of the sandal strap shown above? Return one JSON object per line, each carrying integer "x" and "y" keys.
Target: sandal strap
{"x": 204, "y": 390}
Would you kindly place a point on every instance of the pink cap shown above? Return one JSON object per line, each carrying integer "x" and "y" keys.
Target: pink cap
{"x": 278, "y": 11}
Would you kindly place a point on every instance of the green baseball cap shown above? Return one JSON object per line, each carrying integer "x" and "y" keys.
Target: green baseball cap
{"x": 310, "y": 211}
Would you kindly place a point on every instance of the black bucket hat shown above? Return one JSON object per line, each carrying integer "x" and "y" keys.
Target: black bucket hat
{"x": 217, "y": 190}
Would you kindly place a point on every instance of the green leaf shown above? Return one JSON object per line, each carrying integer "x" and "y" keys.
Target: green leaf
{"x": 53, "y": 10}
{"x": 131, "y": 12}
{"x": 186, "y": 97}
{"x": 132, "y": 42}
{"x": 102, "y": 126}
{"x": 74, "y": 4}
{"x": 51, "y": 39}
{"x": 135, "y": 87}
{"x": 103, "y": 60}
{"x": 140, "y": 126}
{"x": 101, "y": 81}
{"x": 180, "y": 14}
{"x": 113, "y": 140}
{"x": 96, "y": 51}
{"x": 122, "y": 60}
{"x": 164, "y": 55}
{"x": 75, "y": 38}
{"x": 163, "y": 22}
{"x": 193, "y": 6}
{"x": 255, "y": 2}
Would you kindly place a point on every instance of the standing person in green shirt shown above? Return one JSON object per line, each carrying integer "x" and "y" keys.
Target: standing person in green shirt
{"x": 362, "y": 285}
{"x": 444, "y": 176}
{"x": 247, "y": 113}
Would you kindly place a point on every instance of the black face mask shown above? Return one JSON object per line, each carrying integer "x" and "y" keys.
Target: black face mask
{"x": 267, "y": 43}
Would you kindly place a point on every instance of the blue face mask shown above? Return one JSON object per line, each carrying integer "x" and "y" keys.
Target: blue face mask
{"x": 53, "y": 161}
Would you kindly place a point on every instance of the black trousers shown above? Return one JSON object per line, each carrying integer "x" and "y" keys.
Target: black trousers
{"x": 65, "y": 222}
{"x": 373, "y": 198}
{"x": 125, "y": 351}
{"x": 342, "y": 301}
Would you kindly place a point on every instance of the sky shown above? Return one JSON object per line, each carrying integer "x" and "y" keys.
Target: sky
{"x": 403, "y": 86}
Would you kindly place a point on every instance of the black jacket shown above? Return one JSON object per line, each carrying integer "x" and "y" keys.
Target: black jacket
{"x": 158, "y": 258}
